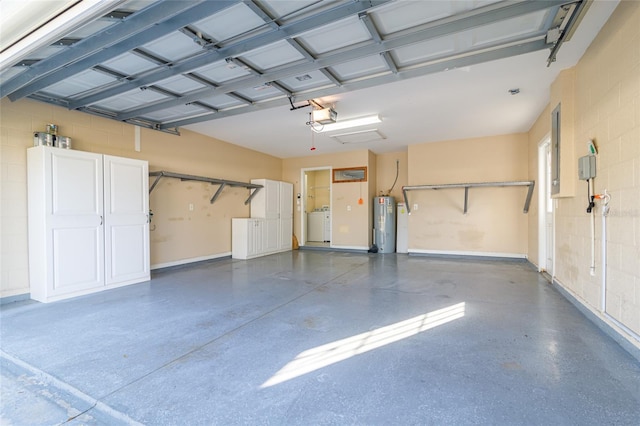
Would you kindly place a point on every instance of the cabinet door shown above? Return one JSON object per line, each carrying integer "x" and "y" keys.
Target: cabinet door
{"x": 126, "y": 187}
{"x": 241, "y": 238}
{"x": 272, "y": 203}
{"x": 256, "y": 237}
{"x": 266, "y": 202}
{"x": 271, "y": 235}
{"x": 74, "y": 221}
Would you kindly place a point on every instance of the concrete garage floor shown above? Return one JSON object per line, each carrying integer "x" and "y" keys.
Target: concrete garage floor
{"x": 317, "y": 338}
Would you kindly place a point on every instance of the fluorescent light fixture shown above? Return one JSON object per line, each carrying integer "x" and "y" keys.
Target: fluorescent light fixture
{"x": 35, "y": 33}
{"x": 347, "y": 124}
{"x": 358, "y": 136}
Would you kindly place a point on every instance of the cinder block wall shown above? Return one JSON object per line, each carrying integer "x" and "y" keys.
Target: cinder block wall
{"x": 606, "y": 108}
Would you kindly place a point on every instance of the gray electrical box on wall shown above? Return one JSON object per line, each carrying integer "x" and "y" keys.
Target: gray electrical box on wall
{"x": 555, "y": 150}
{"x": 587, "y": 167}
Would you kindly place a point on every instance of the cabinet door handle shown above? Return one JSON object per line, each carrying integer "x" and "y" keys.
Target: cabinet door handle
{"x": 100, "y": 220}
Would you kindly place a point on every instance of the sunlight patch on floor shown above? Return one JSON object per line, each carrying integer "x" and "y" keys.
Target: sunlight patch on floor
{"x": 331, "y": 353}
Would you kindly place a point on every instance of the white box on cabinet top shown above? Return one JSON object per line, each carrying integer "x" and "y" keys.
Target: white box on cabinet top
{"x": 88, "y": 222}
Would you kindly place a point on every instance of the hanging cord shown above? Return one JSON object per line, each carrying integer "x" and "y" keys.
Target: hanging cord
{"x": 316, "y": 127}
{"x": 313, "y": 143}
{"x": 590, "y": 197}
{"x": 397, "y": 173}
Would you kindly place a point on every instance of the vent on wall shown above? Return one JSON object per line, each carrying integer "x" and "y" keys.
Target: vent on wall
{"x": 361, "y": 136}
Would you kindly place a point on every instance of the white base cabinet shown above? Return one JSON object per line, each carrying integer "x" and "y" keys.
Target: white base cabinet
{"x": 247, "y": 238}
{"x": 271, "y": 222}
{"x": 88, "y": 222}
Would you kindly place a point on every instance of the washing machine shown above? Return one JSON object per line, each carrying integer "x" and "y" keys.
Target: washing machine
{"x": 315, "y": 226}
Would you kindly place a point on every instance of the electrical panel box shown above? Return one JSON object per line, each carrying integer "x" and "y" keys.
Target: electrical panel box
{"x": 587, "y": 167}
{"x": 555, "y": 151}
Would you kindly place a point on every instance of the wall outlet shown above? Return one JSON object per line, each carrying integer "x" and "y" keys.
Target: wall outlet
{"x": 415, "y": 207}
{"x": 348, "y": 208}
{"x": 190, "y": 207}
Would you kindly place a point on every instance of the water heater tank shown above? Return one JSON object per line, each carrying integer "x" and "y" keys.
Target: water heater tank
{"x": 384, "y": 219}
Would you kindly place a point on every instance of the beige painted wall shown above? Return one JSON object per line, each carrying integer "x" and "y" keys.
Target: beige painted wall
{"x": 607, "y": 110}
{"x": 350, "y": 221}
{"x": 177, "y": 233}
{"x": 495, "y": 223}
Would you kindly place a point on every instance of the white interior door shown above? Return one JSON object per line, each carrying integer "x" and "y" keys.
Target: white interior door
{"x": 126, "y": 220}
{"x": 75, "y": 222}
{"x": 549, "y": 217}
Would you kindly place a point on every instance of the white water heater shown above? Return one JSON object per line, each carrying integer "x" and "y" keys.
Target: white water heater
{"x": 384, "y": 218}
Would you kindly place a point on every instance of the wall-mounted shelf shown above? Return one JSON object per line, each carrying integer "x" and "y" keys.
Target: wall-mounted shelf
{"x": 222, "y": 182}
{"x": 466, "y": 186}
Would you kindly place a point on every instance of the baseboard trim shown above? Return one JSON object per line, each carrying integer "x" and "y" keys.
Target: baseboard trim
{"x": 350, "y": 248}
{"x": 607, "y": 328}
{"x": 190, "y": 260}
{"x": 473, "y": 254}
{"x": 12, "y": 299}
{"x": 340, "y": 249}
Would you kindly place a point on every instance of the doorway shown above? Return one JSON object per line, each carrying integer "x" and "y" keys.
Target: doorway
{"x": 315, "y": 217}
{"x": 545, "y": 212}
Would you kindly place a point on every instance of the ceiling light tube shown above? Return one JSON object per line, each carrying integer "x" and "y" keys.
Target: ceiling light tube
{"x": 347, "y": 124}
{"x": 77, "y": 15}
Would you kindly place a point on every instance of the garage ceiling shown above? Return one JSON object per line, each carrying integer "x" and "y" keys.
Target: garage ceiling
{"x": 246, "y": 71}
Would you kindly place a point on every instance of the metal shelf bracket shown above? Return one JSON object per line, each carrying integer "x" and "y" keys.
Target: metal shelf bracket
{"x": 529, "y": 183}
{"x": 254, "y": 188}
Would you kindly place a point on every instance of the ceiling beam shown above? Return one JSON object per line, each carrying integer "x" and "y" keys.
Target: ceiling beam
{"x": 439, "y": 28}
{"x": 386, "y": 57}
{"x": 569, "y": 27}
{"x": 375, "y": 34}
{"x": 206, "y": 82}
{"x": 283, "y": 32}
{"x": 330, "y": 76}
{"x": 258, "y": 10}
{"x": 281, "y": 88}
{"x": 471, "y": 58}
{"x": 370, "y": 26}
{"x": 177, "y": 15}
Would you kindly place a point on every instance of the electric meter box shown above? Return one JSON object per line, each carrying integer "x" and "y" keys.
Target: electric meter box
{"x": 587, "y": 167}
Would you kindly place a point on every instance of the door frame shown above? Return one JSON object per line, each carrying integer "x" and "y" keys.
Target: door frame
{"x": 544, "y": 216}
{"x": 303, "y": 204}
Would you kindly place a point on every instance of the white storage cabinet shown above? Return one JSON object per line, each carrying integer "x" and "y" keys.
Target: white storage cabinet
{"x": 274, "y": 203}
{"x": 88, "y": 222}
{"x": 271, "y": 222}
{"x": 247, "y": 238}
